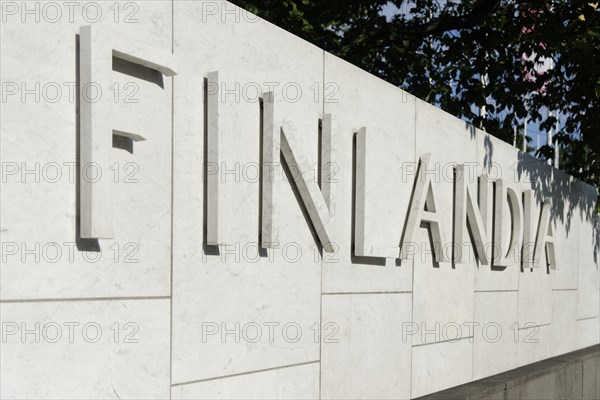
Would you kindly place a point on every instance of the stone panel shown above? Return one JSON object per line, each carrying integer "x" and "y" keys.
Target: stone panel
{"x": 534, "y": 344}
{"x": 85, "y": 350}
{"x": 45, "y": 257}
{"x": 242, "y": 288}
{"x": 364, "y": 351}
{"x": 564, "y": 322}
{"x": 358, "y": 101}
{"x": 494, "y": 349}
{"x": 450, "y": 142}
{"x": 439, "y": 366}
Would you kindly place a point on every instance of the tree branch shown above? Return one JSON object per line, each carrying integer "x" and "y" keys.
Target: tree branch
{"x": 481, "y": 9}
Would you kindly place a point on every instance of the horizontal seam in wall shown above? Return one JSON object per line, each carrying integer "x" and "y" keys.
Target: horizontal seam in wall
{"x": 443, "y": 341}
{"x": 564, "y": 290}
{"x": 84, "y": 299}
{"x": 245, "y": 373}
{"x": 498, "y": 291}
{"x": 352, "y": 293}
{"x": 586, "y": 318}
{"x": 533, "y": 326}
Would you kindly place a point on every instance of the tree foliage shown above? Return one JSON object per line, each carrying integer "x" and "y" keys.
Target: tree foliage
{"x": 439, "y": 50}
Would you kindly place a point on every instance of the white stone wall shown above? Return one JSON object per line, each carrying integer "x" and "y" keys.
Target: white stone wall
{"x": 156, "y": 313}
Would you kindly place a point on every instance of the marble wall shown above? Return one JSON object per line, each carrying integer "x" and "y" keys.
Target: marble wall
{"x": 157, "y": 310}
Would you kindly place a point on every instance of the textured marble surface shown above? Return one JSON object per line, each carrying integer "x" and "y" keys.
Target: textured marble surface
{"x": 497, "y": 160}
{"x": 588, "y": 332}
{"x": 494, "y": 346}
{"x": 366, "y": 353}
{"x": 441, "y": 365}
{"x": 450, "y": 142}
{"x": 388, "y": 116}
{"x": 357, "y": 101}
{"x": 85, "y": 350}
{"x": 535, "y": 283}
{"x": 533, "y": 344}
{"x": 564, "y": 321}
{"x": 568, "y": 227}
{"x": 216, "y": 316}
{"x": 40, "y": 134}
{"x": 589, "y": 262}
{"x": 281, "y": 286}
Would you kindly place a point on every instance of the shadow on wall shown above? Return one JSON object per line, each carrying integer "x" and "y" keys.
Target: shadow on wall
{"x": 569, "y": 195}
